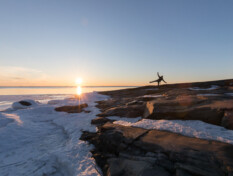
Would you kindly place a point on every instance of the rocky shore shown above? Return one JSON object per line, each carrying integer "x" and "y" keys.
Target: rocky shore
{"x": 126, "y": 150}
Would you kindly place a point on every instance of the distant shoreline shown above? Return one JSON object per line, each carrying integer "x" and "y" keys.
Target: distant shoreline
{"x": 8, "y": 87}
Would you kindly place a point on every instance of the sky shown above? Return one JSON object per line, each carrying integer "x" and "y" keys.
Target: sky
{"x": 114, "y": 42}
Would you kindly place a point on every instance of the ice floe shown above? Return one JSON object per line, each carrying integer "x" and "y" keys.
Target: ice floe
{"x": 7, "y": 100}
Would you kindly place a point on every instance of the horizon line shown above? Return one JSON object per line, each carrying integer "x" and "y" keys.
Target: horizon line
{"x": 60, "y": 86}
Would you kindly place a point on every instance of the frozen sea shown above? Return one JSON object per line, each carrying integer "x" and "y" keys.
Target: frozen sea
{"x": 36, "y": 140}
{"x": 8, "y": 95}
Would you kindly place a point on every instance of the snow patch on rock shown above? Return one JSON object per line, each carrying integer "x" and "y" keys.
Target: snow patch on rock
{"x": 213, "y": 87}
{"x": 152, "y": 96}
{"x": 208, "y": 95}
{"x": 125, "y": 119}
{"x": 229, "y": 94}
{"x": 191, "y": 128}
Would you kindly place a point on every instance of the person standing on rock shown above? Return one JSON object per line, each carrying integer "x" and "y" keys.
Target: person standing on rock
{"x": 159, "y": 80}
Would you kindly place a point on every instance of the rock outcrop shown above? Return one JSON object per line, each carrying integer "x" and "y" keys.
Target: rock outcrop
{"x": 122, "y": 151}
{"x": 130, "y": 151}
{"x": 72, "y": 109}
{"x": 227, "y": 120}
{"x": 124, "y": 111}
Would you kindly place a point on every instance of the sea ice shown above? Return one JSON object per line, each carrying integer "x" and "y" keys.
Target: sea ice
{"x": 40, "y": 141}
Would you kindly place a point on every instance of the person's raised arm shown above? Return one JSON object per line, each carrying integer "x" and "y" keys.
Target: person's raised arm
{"x": 158, "y": 74}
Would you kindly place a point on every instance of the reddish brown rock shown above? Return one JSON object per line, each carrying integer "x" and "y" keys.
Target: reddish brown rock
{"x": 227, "y": 120}
{"x": 72, "y": 109}
{"x": 99, "y": 121}
{"x": 124, "y": 111}
{"x": 206, "y": 109}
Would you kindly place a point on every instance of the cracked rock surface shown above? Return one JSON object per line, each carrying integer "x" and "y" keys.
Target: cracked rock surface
{"x": 121, "y": 150}
{"x": 125, "y": 150}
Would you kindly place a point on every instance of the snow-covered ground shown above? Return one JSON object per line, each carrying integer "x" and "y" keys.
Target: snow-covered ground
{"x": 40, "y": 141}
{"x": 36, "y": 140}
{"x": 191, "y": 128}
{"x": 213, "y": 87}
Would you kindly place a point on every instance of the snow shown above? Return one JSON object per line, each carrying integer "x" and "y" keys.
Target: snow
{"x": 191, "y": 128}
{"x": 40, "y": 141}
{"x": 152, "y": 96}
{"x": 125, "y": 119}
{"x": 208, "y": 95}
{"x": 18, "y": 105}
{"x": 153, "y": 89}
{"x": 213, "y": 87}
{"x": 7, "y": 100}
{"x": 229, "y": 94}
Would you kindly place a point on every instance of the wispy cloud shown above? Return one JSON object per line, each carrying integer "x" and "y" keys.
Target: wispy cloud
{"x": 10, "y": 75}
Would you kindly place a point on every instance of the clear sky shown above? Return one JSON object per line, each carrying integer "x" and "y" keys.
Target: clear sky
{"x": 114, "y": 42}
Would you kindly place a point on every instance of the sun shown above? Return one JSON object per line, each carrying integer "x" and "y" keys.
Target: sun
{"x": 79, "y": 81}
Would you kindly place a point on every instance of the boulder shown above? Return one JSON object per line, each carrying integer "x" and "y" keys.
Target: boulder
{"x": 127, "y": 167}
{"x": 227, "y": 120}
{"x": 23, "y": 104}
{"x": 99, "y": 121}
{"x": 72, "y": 109}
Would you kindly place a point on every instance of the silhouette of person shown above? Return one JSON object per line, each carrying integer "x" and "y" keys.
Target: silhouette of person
{"x": 159, "y": 80}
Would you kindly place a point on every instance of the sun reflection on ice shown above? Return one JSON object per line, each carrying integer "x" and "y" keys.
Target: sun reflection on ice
{"x": 15, "y": 117}
{"x": 78, "y": 82}
{"x": 79, "y": 90}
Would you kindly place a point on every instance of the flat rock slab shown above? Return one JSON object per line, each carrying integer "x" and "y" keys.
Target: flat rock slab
{"x": 72, "y": 109}
{"x": 136, "y": 151}
{"x": 100, "y": 121}
{"x": 210, "y": 110}
{"x": 130, "y": 111}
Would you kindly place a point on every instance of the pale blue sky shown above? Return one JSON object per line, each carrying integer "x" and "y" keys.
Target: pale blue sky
{"x": 120, "y": 42}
